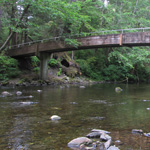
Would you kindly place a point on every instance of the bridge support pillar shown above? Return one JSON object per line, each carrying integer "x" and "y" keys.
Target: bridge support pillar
{"x": 44, "y": 58}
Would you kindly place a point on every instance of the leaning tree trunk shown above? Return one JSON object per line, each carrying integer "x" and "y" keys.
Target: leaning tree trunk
{"x": 17, "y": 25}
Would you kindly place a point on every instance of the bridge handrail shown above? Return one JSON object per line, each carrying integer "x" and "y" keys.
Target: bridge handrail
{"x": 79, "y": 35}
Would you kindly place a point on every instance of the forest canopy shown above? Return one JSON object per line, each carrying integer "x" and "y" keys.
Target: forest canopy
{"x": 29, "y": 20}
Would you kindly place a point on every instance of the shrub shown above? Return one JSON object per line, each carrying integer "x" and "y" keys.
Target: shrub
{"x": 35, "y": 61}
{"x": 8, "y": 68}
{"x": 88, "y": 70}
{"x": 59, "y": 72}
{"x": 53, "y": 62}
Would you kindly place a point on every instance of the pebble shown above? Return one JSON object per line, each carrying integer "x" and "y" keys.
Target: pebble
{"x": 30, "y": 96}
{"x": 18, "y": 93}
{"x": 55, "y": 117}
{"x": 39, "y": 91}
{"x": 82, "y": 87}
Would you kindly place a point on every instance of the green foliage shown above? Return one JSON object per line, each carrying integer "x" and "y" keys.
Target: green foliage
{"x": 8, "y": 68}
{"x": 53, "y": 62}
{"x": 115, "y": 73}
{"x": 72, "y": 42}
{"x": 36, "y": 69}
{"x": 35, "y": 61}
{"x": 88, "y": 71}
{"x": 132, "y": 61}
{"x": 59, "y": 72}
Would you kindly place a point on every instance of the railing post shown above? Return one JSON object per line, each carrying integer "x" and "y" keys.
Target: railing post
{"x": 44, "y": 58}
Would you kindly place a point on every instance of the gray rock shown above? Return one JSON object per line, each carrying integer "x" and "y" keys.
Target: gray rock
{"x": 99, "y": 130}
{"x": 107, "y": 144}
{"x": 137, "y": 131}
{"x": 147, "y": 134}
{"x": 105, "y": 137}
{"x": 83, "y": 147}
{"x": 113, "y": 148}
{"x": 94, "y": 135}
{"x": 102, "y": 146}
{"x": 75, "y": 143}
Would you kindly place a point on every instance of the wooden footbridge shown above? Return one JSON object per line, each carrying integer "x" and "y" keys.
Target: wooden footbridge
{"x": 102, "y": 39}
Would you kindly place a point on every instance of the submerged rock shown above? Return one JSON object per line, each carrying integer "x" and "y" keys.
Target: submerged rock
{"x": 28, "y": 103}
{"x": 97, "y": 118}
{"x": 18, "y": 93}
{"x": 74, "y": 103}
{"x": 76, "y": 143}
{"x": 118, "y": 89}
{"x": 30, "y": 96}
{"x": 39, "y": 91}
{"x": 146, "y": 100}
{"x": 5, "y": 93}
{"x": 82, "y": 87}
{"x": 55, "y": 117}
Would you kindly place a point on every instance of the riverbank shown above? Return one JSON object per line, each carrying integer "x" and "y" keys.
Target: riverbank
{"x": 28, "y": 78}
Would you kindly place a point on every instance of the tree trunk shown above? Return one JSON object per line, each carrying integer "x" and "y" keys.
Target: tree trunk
{"x": 0, "y": 19}
{"x": 17, "y": 25}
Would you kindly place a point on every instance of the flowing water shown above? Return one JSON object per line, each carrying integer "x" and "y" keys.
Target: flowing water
{"x": 25, "y": 121}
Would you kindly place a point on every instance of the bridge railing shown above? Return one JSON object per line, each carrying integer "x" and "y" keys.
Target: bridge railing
{"x": 106, "y": 32}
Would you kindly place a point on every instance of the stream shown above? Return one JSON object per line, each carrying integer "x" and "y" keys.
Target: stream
{"x": 25, "y": 122}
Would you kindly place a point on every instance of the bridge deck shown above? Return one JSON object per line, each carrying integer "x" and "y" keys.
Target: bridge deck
{"x": 101, "y": 41}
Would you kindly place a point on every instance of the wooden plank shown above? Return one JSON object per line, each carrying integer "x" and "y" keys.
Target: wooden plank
{"x": 102, "y": 41}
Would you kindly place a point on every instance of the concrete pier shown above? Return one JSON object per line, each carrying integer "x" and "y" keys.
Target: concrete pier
{"x": 44, "y": 58}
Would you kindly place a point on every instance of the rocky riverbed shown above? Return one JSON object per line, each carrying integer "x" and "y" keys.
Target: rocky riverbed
{"x": 96, "y": 140}
{"x": 29, "y": 81}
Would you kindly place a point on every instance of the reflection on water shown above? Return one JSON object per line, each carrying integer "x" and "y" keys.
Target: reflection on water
{"x": 25, "y": 122}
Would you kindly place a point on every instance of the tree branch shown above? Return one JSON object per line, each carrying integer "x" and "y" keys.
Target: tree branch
{"x": 17, "y": 25}
{"x": 135, "y": 7}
